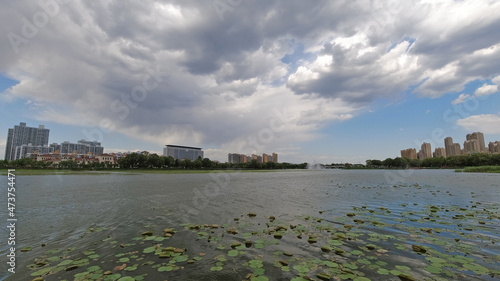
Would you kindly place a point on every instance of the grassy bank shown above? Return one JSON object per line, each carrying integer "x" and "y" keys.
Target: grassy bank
{"x": 40, "y": 172}
{"x": 480, "y": 169}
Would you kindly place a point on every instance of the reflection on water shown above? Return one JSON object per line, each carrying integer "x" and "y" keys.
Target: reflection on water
{"x": 343, "y": 210}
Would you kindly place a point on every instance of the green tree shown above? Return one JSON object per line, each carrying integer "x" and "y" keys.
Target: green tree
{"x": 207, "y": 163}
{"x": 388, "y": 162}
{"x": 154, "y": 161}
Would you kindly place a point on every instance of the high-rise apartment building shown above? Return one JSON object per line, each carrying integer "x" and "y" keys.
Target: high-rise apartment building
{"x": 265, "y": 158}
{"x": 26, "y": 150}
{"x": 494, "y": 147}
{"x": 410, "y": 153}
{"x": 242, "y": 158}
{"x": 80, "y": 147}
{"x": 452, "y": 149}
{"x": 479, "y": 137}
{"x": 471, "y": 146}
{"x": 425, "y": 151}
{"x": 439, "y": 152}
{"x": 182, "y": 152}
{"x": 21, "y": 134}
{"x": 257, "y": 157}
{"x": 236, "y": 158}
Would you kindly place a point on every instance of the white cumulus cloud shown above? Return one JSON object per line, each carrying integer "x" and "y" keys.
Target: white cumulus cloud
{"x": 486, "y": 90}
{"x": 485, "y": 123}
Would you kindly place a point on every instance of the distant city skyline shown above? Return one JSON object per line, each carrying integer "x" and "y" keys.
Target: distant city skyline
{"x": 474, "y": 143}
{"x": 321, "y": 81}
{"x": 23, "y": 140}
{"x": 242, "y": 158}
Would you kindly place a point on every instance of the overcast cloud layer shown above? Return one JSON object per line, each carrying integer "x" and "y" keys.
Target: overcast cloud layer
{"x": 219, "y": 73}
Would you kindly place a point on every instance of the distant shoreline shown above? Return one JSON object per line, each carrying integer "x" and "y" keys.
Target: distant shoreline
{"x": 42, "y": 172}
{"x": 479, "y": 169}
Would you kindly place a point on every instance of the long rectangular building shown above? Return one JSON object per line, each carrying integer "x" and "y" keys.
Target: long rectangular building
{"x": 182, "y": 152}
{"x": 80, "y": 147}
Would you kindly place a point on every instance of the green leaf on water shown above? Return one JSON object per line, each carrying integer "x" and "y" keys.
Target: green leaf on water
{"x": 346, "y": 276}
{"x": 335, "y": 242}
{"x": 221, "y": 258}
{"x": 149, "y": 250}
{"x": 350, "y": 265}
{"x": 433, "y": 269}
{"x": 131, "y": 268}
{"x": 216, "y": 268}
{"x": 364, "y": 261}
{"x": 95, "y": 276}
{"x": 232, "y": 253}
{"x": 181, "y": 258}
{"x": 330, "y": 264}
{"x": 478, "y": 269}
{"x": 65, "y": 262}
{"x": 403, "y": 268}
{"x": 383, "y": 271}
{"x": 298, "y": 279}
{"x": 301, "y": 268}
{"x": 361, "y": 278}
{"x": 42, "y": 271}
{"x": 124, "y": 259}
{"x": 396, "y": 272}
{"x": 165, "y": 268}
{"x": 112, "y": 277}
{"x": 259, "y": 278}
{"x": 259, "y": 271}
{"x": 127, "y": 278}
{"x": 255, "y": 264}
{"x": 53, "y": 259}
{"x": 93, "y": 268}
{"x": 356, "y": 252}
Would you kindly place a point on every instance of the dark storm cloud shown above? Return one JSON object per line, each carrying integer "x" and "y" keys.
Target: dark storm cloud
{"x": 214, "y": 78}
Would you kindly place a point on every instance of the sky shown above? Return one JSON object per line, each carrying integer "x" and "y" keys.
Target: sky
{"x": 314, "y": 81}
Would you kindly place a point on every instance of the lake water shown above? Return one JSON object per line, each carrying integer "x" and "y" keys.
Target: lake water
{"x": 372, "y": 225}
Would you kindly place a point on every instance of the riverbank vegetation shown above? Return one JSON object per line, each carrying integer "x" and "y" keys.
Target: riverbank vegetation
{"x": 480, "y": 169}
{"x": 462, "y": 161}
{"x": 143, "y": 162}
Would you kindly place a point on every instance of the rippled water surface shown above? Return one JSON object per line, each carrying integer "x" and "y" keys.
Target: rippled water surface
{"x": 342, "y": 225}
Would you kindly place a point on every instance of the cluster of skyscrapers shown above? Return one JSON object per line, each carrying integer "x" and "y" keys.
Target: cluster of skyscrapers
{"x": 474, "y": 143}
{"x": 242, "y": 158}
{"x": 24, "y": 141}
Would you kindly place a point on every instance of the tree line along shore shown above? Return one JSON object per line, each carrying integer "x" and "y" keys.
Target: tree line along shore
{"x": 162, "y": 164}
{"x": 151, "y": 161}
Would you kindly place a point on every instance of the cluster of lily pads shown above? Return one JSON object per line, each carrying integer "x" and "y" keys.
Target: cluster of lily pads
{"x": 411, "y": 242}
